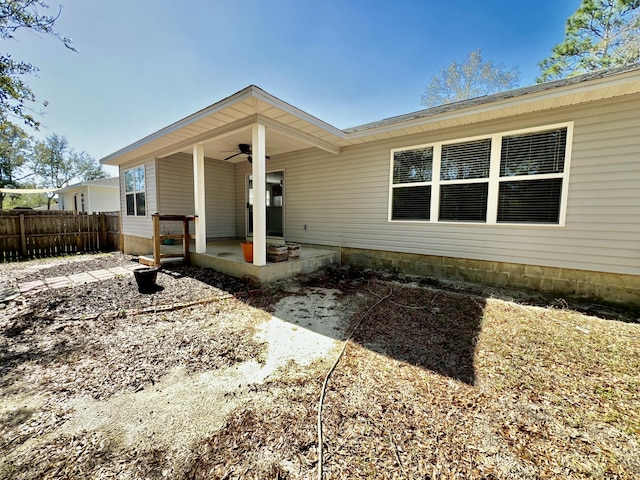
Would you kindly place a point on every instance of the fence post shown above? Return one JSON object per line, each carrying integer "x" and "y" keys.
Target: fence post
{"x": 23, "y": 237}
{"x": 120, "y": 233}
{"x": 156, "y": 239}
{"x": 185, "y": 241}
{"x": 103, "y": 231}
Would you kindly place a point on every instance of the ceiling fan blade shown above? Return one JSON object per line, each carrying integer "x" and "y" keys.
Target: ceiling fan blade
{"x": 234, "y": 155}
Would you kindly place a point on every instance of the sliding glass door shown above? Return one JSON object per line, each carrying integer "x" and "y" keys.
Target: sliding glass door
{"x": 274, "y": 204}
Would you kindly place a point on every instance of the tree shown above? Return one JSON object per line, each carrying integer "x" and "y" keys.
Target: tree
{"x": 54, "y": 164}
{"x": 14, "y": 145}
{"x": 88, "y": 168}
{"x": 600, "y": 34}
{"x": 15, "y": 93}
{"x": 472, "y": 78}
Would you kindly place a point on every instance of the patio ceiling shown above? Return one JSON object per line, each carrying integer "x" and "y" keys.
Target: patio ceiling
{"x": 226, "y": 145}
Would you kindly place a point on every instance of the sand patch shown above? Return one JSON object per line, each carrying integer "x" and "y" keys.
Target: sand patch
{"x": 181, "y": 409}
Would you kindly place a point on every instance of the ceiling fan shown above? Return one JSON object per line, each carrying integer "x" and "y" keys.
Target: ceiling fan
{"x": 244, "y": 149}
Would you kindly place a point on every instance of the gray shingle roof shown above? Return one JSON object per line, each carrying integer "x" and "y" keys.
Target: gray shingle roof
{"x": 473, "y": 102}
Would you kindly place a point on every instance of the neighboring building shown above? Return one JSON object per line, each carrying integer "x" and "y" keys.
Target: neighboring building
{"x": 102, "y": 195}
{"x": 536, "y": 187}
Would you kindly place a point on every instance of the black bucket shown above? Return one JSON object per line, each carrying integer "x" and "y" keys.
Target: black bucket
{"x": 146, "y": 279}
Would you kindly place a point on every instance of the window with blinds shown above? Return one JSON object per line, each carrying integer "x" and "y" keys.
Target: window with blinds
{"x": 465, "y": 202}
{"x": 411, "y": 203}
{"x": 513, "y": 177}
{"x": 533, "y": 154}
{"x": 531, "y": 176}
{"x": 411, "y": 186}
{"x": 466, "y": 161}
{"x": 412, "y": 166}
{"x": 530, "y": 201}
{"x": 464, "y": 177}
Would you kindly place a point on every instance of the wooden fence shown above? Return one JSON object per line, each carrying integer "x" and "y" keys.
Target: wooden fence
{"x": 38, "y": 234}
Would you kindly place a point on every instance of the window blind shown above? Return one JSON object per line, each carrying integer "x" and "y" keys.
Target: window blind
{"x": 530, "y": 201}
{"x": 464, "y": 161}
{"x": 411, "y": 203}
{"x": 464, "y": 202}
{"x": 412, "y": 166}
{"x": 533, "y": 154}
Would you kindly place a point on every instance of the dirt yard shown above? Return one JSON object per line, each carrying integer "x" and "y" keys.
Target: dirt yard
{"x": 207, "y": 379}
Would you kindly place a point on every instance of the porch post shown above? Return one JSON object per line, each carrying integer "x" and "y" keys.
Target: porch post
{"x": 199, "y": 198}
{"x": 258, "y": 150}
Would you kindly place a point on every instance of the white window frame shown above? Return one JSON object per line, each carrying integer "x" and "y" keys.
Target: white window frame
{"x": 134, "y": 192}
{"x": 494, "y": 178}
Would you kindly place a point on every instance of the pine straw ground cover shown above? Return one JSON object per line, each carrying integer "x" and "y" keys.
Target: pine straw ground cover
{"x": 436, "y": 383}
{"x": 442, "y": 384}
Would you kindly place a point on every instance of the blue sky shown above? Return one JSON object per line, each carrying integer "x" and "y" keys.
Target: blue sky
{"x": 143, "y": 64}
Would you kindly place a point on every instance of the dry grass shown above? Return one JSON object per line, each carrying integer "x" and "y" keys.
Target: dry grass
{"x": 548, "y": 401}
{"x": 448, "y": 385}
{"x": 435, "y": 384}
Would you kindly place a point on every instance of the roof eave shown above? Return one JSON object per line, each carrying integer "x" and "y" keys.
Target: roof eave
{"x": 251, "y": 91}
{"x": 498, "y": 101}
{"x": 205, "y": 112}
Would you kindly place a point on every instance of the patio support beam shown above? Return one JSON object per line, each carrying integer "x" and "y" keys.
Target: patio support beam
{"x": 199, "y": 198}
{"x": 259, "y": 172}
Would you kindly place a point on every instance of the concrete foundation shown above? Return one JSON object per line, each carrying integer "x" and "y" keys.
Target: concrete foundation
{"x": 137, "y": 245}
{"x": 227, "y": 258}
{"x": 583, "y": 284}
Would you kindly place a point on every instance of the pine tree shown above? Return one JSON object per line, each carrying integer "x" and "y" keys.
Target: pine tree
{"x": 600, "y": 34}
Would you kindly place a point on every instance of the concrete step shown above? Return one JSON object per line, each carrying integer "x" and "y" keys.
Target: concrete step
{"x": 148, "y": 260}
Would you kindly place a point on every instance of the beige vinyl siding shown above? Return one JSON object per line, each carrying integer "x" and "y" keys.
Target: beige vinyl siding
{"x": 175, "y": 190}
{"x": 344, "y": 199}
{"x": 220, "y": 192}
{"x": 175, "y": 185}
{"x": 140, "y": 226}
{"x": 175, "y": 180}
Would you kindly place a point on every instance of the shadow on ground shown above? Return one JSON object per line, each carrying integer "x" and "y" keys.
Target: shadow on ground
{"x": 417, "y": 323}
{"x": 427, "y": 328}
{"x": 226, "y": 283}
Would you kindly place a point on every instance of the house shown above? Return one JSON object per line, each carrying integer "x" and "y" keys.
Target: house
{"x": 102, "y": 195}
{"x": 537, "y": 187}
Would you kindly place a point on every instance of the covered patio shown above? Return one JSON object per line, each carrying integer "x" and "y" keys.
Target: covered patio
{"x": 224, "y": 167}
{"x": 226, "y": 256}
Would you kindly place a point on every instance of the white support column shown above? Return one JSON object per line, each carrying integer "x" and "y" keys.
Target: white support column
{"x": 259, "y": 170}
{"x": 199, "y": 198}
